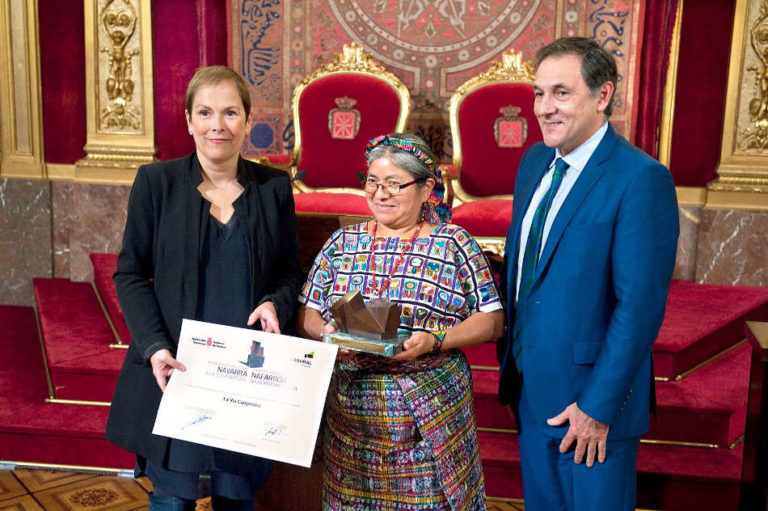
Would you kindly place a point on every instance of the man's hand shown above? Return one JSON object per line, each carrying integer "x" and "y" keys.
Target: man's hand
{"x": 163, "y": 365}
{"x": 590, "y": 435}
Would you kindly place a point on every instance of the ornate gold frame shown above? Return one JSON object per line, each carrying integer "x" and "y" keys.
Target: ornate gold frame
{"x": 119, "y": 96}
{"x": 686, "y": 195}
{"x": 670, "y": 90}
{"x": 353, "y": 59}
{"x": 71, "y": 468}
{"x": 511, "y": 68}
{"x": 492, "y": 245}
{"x": 742, "y": 181}
{"x": 21, "y": 123}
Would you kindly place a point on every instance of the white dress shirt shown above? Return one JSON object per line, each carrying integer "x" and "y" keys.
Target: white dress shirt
{"x": 576, "y": 160}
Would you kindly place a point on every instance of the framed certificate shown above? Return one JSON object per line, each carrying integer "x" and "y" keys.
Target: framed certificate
{"x": 247, "y": 391}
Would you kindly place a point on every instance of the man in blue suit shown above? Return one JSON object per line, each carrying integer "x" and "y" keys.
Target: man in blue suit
{"x": 589, "y": 258}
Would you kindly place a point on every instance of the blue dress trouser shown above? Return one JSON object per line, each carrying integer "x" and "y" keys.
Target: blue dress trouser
{"x": 554, "y": 482}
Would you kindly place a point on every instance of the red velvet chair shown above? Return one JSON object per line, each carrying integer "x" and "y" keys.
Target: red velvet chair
{"x": 337, "y": 109}
{"x": 492, "y": 124}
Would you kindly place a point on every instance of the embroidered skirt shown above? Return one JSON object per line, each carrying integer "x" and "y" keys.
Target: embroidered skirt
{"x": 403, "y": 441}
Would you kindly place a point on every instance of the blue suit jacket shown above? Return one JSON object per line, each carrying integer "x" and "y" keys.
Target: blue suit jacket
{"x": 598, "y": 299}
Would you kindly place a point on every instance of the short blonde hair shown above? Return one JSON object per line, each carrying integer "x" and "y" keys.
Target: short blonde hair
{"x": 211, "y": 75}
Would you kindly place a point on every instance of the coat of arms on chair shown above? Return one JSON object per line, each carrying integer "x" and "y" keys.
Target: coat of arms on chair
{"x": 509, "y": 130}
{"x": 344, "y": 121}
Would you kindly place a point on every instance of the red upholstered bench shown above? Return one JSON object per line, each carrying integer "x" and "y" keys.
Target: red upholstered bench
{"x": 484, "y": 218}
{"x": 327, "y": 203}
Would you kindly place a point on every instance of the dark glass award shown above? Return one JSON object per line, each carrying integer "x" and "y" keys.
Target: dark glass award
{"x": 370, "y": 327}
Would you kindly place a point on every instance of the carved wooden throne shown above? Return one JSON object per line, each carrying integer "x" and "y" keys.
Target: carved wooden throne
{"x": 337, "y": 109}
{"x": 492, "y": 124}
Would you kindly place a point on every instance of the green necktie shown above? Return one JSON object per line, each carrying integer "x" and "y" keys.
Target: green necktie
{"x": 531, "y": 257}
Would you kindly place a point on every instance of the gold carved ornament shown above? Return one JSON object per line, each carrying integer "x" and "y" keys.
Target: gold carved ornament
{"x": 119, "y": 19}
{"x": 758, "y": 106}
{"x": 742, "y": 181}
{"x": 511, "y": 68}
{"x": 120, "y": 119}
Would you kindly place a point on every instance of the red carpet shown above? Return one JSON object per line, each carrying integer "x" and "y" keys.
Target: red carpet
{"x": 77, "y": 338}
{"x": 709, "y": 406}
{"x": 694, "y": 445}
{"x": 702, "y": 320}
{"x": 32, "y": 430}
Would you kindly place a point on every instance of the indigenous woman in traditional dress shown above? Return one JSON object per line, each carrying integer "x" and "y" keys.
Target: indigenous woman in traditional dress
{"x": 401, "y": 431}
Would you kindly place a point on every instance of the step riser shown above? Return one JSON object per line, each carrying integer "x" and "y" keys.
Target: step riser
{"x": 503, "y": 480}
{"x": 671, "y": 365}
{"x": 83, "y": 387}
{"x": 62, "y": 450}
{"x": 490, "y": 414}
{"x": 692, "y": 426}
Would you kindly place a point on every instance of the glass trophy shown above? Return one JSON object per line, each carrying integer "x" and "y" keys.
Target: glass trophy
{"x": 368, "y": 327}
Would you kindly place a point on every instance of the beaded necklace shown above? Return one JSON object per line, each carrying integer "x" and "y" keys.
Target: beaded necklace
{"x": 372, "y": 287}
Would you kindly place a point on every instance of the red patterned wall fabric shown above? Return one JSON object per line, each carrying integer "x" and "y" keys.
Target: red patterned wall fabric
{"x": 432, "y": 46}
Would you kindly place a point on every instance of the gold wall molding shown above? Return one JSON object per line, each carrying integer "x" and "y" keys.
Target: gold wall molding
{"x": 119, "y": 96}
{"x": 691, "y": 195}
{"x": 60, "y": 171}
{"x": 670, "y": 91}
{"x": 21, "y": 125}
{"x": 742, "y": 181}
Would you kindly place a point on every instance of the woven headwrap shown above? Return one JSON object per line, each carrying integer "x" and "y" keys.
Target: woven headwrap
{"x": 435, "y": 210}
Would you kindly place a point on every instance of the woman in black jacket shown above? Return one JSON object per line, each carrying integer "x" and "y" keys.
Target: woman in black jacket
{"x": 212, "y": 237}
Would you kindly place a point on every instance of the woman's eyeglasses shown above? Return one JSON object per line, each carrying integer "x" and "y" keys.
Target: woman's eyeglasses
{"x": 371, "y": 186}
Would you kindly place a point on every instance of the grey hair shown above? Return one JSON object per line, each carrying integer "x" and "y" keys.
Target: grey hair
{"x": 404, "y": 159}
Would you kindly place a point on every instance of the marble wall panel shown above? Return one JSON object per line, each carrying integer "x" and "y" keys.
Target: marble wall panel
{"x": 97, "y": 222}
{"x": 62, "y": 220}
{"x": 25, "y": 238}
{"x": 733, "y": 247}
{"x": 685, "y": 262}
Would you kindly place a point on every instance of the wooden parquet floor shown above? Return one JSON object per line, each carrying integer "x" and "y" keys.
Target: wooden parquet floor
{"x": 47, "y": 490}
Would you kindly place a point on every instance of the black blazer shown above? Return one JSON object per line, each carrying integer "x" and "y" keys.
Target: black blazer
{"x": 158, "y": 271}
